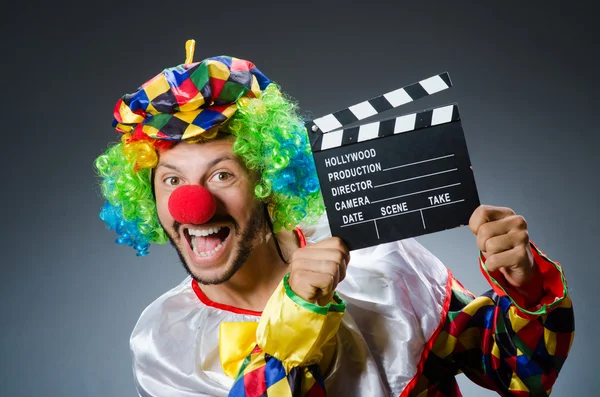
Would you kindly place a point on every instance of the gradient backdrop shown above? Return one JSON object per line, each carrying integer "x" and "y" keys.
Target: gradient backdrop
{"x": 525, "y": 78}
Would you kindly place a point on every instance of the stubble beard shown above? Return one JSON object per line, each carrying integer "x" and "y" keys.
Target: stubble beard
{"x": 246, "y": 240}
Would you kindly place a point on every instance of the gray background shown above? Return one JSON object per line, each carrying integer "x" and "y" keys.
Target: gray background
{"x": 526, "y": 80}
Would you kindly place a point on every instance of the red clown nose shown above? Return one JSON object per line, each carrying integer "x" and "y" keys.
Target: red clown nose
{"x": 192, "y": 204}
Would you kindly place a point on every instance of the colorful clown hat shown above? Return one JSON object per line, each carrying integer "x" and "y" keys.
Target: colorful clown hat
{"x": 187, "y": 102}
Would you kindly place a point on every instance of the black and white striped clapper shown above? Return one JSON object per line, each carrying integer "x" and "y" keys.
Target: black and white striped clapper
{"x": 398, "y": 177}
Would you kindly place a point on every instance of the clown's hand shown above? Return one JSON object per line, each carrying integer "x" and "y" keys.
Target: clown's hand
{"x": 317, "y": 269}
{"x": 503, "y": 238}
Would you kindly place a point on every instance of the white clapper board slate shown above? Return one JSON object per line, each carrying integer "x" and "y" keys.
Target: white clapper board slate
{"x": 398, "y": 177}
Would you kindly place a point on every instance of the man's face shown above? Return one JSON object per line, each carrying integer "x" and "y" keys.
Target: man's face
{"x": 212, "y": 252}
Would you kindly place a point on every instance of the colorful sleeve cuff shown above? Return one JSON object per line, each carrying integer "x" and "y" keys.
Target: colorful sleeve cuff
{"x": 297, "y": 332}
{"x": 552, "y": 277}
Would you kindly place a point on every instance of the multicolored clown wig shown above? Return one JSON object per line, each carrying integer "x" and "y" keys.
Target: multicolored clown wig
{"x": 193, "y": 102}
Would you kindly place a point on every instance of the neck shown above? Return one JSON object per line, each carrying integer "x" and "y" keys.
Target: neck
{"x": 252, "y": 286}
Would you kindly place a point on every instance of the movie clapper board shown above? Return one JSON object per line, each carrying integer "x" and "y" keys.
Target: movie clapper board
{"x": 398, "y": 177}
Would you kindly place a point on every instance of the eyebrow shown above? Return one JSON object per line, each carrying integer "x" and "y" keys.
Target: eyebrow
{"x": 209, "y": 165}
{"x": 223, "y": 158}
{"x": 168, "y": 166}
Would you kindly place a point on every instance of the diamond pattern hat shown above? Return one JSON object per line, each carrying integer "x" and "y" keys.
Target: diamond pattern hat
{"x": 189, "y": 101}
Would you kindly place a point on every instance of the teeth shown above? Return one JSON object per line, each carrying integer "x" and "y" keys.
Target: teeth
{"x": 209, "y": 253}
{"x": 204, "y": 232}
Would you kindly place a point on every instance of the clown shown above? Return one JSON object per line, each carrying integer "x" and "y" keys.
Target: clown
{"x": 214, "y": 158}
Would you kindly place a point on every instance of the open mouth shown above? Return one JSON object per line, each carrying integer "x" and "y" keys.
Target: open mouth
{"x": 205, "y": 242}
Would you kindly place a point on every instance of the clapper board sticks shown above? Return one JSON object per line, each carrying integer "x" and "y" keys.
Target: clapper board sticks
{"x": 398, "y": 177}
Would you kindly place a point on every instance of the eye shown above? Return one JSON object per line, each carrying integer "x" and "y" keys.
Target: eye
{"x": 172, "y": 181}
{"x": 222, "y": 176}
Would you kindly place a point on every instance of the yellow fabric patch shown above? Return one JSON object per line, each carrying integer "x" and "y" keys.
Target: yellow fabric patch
{"x": 150, "y": 131}
{"x": 519, "y": 352}
{"x": 517, "y": 384}
{"x": 307, "y": 384}
{"x": 236, "y": 341}
{"x": 550, "y": 341}
{"x": 255, "y": 89}
{"x": 218, "y": 70}
{"x": 188, "y": 117}
{"x": 257, "y": 361}
{"x": 516, "y": 320}
{"x": 470, "y": 338}
{"x": 230, "y": 110}
{"x": 128, "y": 116}
{"x": 192, "y": 131}
{"x": 477, "y": 304}
{"x": 193, "y": 103}
{"x": 158, "y": 86}
{"x": 280, "y": 389}
{"x": 495, "y": 350}
{"x": 444, "y": 345}
{"x": 151, "y": 109}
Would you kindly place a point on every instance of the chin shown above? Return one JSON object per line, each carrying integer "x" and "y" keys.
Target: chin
{"x": 215, "y": 277}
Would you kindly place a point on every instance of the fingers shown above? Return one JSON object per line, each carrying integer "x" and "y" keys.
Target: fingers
{"x": 317, "y": 269}
{"x": 333, "y": 243}
{"x": 324, "y": 260}
{"x": 510, "y": 258}
{"x": 516, "y": 265}
{"x": 505, "y": 242}
{"x": 513, "y": 224}
{"x": 487, "y": 213}
{"x": 317, "y": 288}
